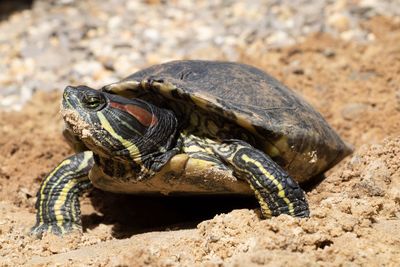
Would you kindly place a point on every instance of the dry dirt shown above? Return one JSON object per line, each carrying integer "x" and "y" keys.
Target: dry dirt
{"x": 355, "y": 219}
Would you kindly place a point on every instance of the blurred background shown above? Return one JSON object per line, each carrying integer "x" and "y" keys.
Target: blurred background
{"x": 48, "y": 44}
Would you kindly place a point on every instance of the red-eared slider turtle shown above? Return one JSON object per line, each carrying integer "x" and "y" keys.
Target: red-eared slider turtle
{"x": 189, "y": 127}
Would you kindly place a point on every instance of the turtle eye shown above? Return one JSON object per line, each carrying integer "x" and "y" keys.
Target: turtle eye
{"x": 93, "y": 101}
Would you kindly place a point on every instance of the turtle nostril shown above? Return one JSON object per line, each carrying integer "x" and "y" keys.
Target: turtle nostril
{"x": 69, "y": 89}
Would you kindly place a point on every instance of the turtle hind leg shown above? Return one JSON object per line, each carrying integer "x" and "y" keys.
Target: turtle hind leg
{"x": 275, "y": 190}
{"x": 57, "y": 204}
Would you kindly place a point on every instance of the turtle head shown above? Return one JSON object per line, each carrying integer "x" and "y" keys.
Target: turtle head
{"x": 117, "y": 127}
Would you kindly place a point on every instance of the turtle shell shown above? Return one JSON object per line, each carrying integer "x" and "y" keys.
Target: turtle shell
{"x": 286, "y": 127}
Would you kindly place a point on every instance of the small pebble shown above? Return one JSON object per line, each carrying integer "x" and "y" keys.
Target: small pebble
{"x": 353, "y": 110}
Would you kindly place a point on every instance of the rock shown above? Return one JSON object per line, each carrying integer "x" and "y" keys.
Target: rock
{"x": 353, "y": 110}
{"x": 339, "y": 22}
{"x": 375, "y": 178}
{"x": 329, "y": 53}
{"x": 279, "y": 38}
{"x": 87, "y": 68}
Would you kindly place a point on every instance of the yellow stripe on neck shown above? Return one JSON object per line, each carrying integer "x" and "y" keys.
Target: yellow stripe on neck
{"x": 131, "y": 147}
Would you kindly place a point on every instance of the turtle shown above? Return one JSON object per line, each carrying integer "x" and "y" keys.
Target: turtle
{"x": 189, "y": 127}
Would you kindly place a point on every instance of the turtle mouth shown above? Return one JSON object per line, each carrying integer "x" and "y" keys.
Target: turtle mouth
{"x": 74, "y": 122}
{"x": 71, "y": 111}
{"x": 69, "y": 100}
{"x": 66, "y": 105}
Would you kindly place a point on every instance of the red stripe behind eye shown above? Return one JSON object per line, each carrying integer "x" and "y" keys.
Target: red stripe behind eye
{"x": 143, "y": 116}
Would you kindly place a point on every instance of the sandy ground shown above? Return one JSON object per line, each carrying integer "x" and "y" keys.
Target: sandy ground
{"x": 355, "y": 210}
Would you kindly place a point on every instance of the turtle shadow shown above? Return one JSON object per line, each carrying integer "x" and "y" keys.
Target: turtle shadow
{"x": 313, "y": 182}
{"x": 135, "y": 214}
{"x": 7, "y": 8}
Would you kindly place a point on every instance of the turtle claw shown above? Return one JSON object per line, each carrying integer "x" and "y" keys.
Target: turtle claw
{"x": 40, "y": 229}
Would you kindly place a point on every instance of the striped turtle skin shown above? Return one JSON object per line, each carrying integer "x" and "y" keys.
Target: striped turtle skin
{"x": 189, "y": 127}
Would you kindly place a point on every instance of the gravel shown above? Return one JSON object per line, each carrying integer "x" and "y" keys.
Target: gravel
{"x": 60, "y": 42}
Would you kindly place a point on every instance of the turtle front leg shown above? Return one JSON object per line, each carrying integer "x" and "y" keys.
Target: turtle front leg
{"x": 57, "y": 204}
{"x": 275, "y": 190}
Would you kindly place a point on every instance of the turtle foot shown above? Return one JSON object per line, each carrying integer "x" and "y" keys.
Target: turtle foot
{"x": 55, "y": 228}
